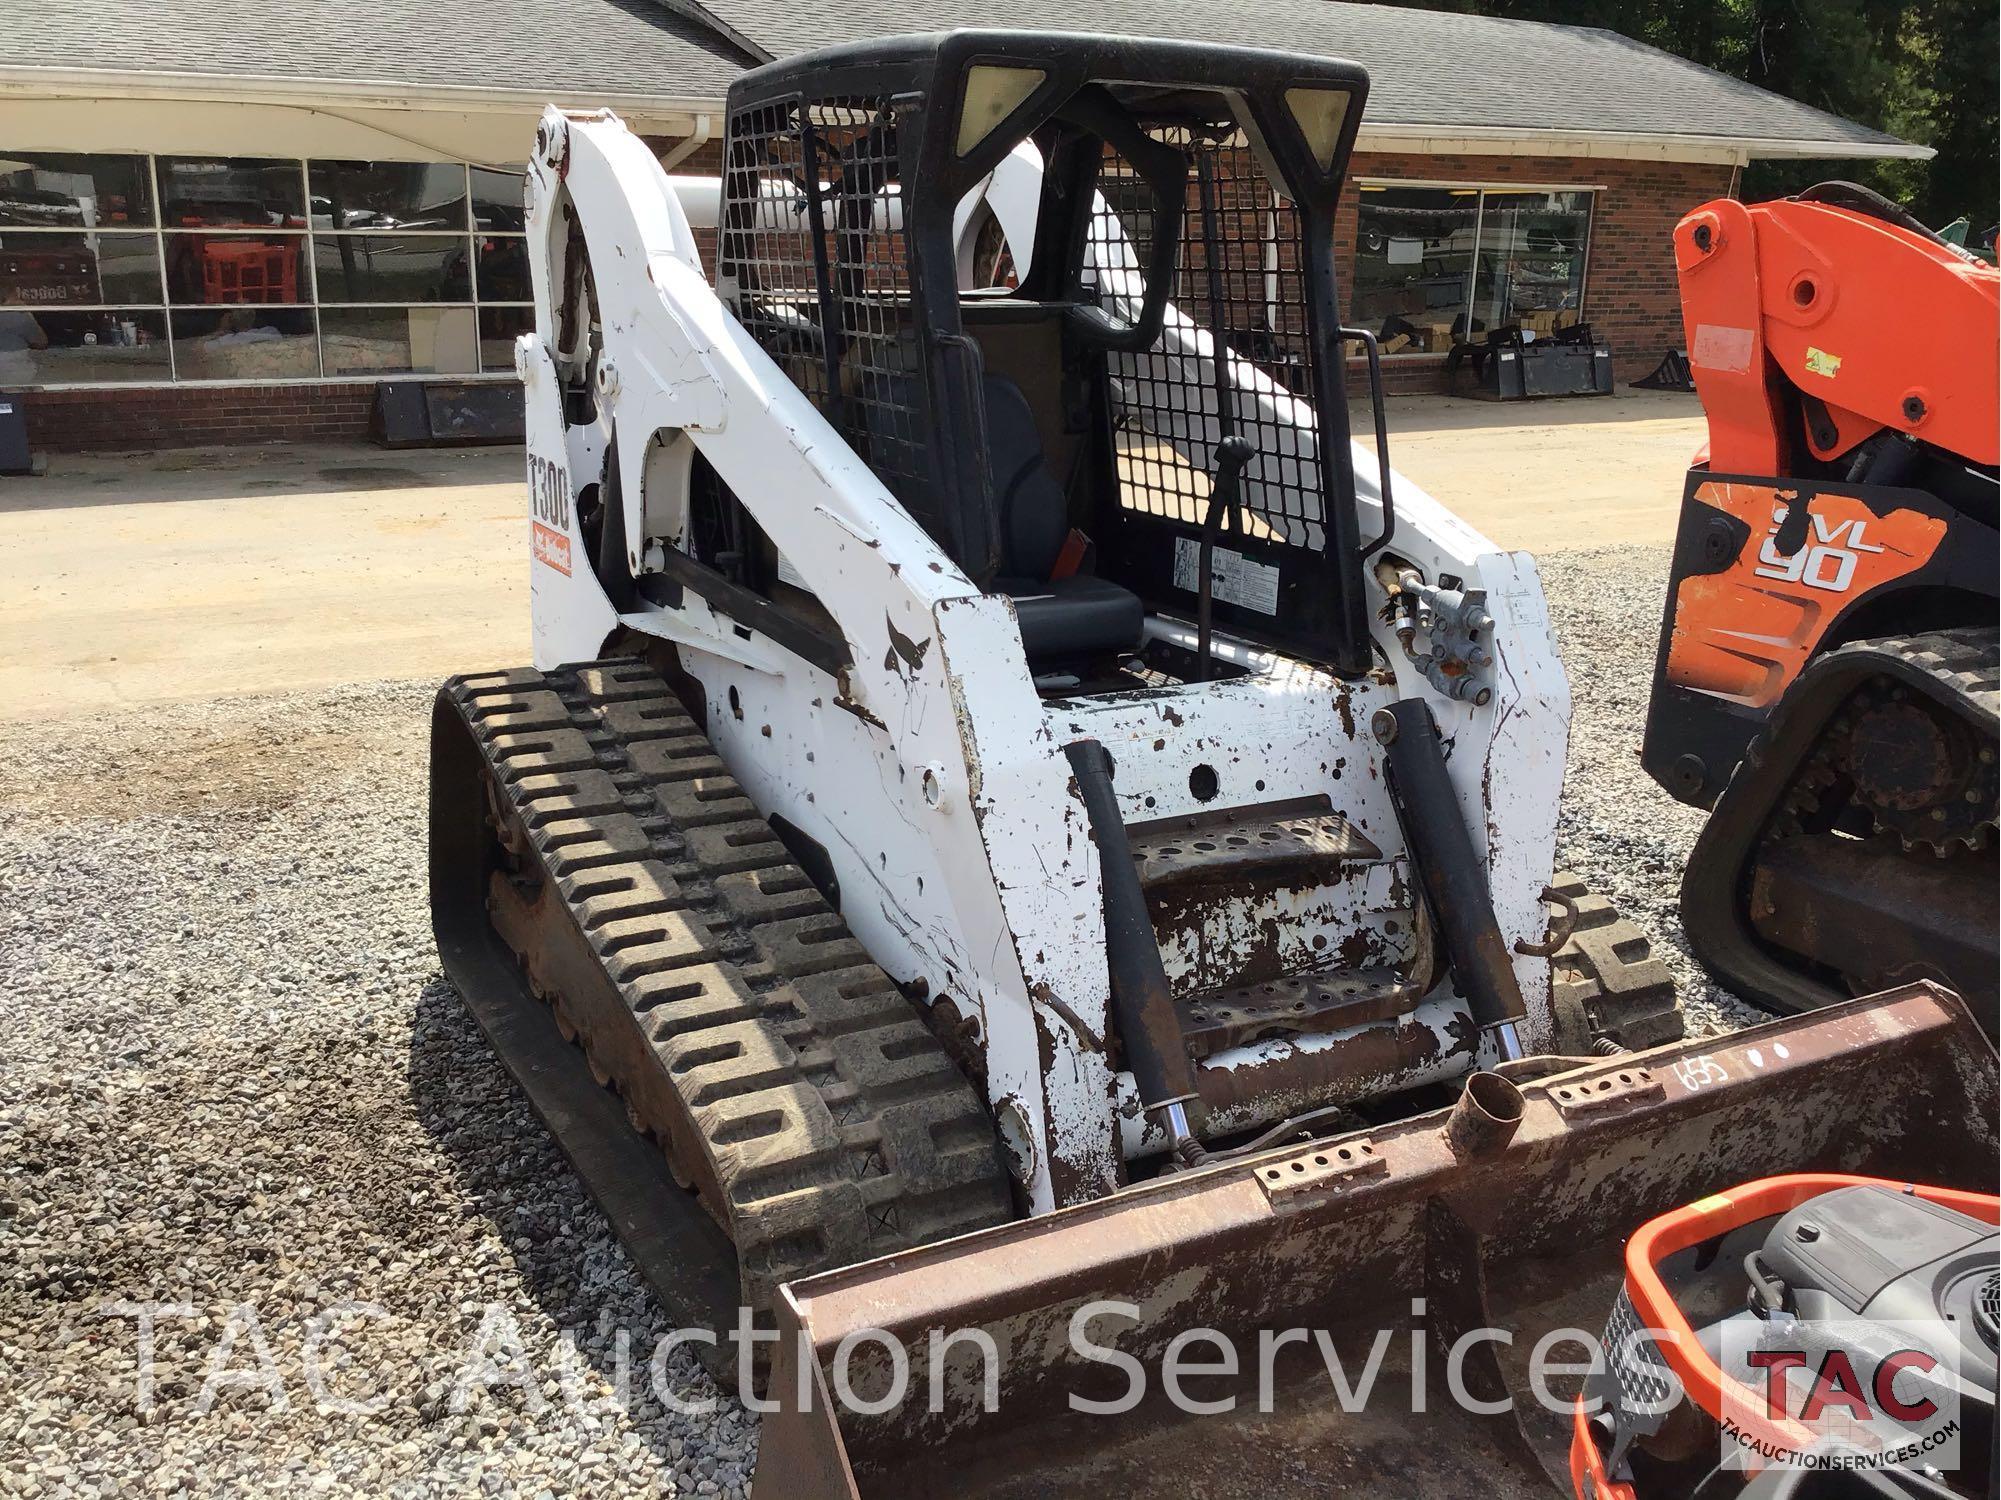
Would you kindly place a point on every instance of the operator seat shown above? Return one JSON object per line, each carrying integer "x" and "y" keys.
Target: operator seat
{"x": 1062, "y": 619}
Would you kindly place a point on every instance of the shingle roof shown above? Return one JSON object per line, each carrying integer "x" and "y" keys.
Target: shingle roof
{"x": 549, "y": 47}
{"x": 1429, "y": 69}
{"x": 1425, "y": 67}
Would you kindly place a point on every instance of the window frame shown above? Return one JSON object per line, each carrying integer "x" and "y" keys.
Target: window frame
{"x": 152, "y": 186}
{"x": 1483, "y": 187}
{"x": 309, "y": 302}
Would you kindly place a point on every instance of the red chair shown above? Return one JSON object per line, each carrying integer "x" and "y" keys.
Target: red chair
{"x": 249, "y": 271}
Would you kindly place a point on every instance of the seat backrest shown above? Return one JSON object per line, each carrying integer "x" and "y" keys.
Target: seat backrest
{"x": 1034, "y": 513}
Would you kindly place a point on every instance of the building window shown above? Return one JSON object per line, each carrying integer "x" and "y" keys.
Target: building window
{"x": 244, "y": 343}
{"x": 1531, "y": 260}
{"x": 1439, "y": 265}
{"x": 150, "y": 269}
{"x": 388, "y": 195}
{"x": 82, "y": 298}
{"x": 230, "y": 193}
{"x": 54, "y": 191}
{"x": 375, "y": 340}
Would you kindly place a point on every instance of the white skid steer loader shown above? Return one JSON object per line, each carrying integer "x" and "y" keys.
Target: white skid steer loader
{"x": 1001, "y": 759}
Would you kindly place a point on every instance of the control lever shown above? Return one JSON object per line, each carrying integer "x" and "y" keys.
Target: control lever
{"x": 1232, "y": 453}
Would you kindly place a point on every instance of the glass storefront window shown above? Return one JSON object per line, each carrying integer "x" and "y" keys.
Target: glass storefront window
{"x": 1438, "y": 265}
{"x": 1531, "y": 268}
{"x": 236, "y": 269}
{"x": 231, "y": 193}
{"x": 62, "y": 190}
{"x": 393, "y": 268}
{"x": 49, "y": 347}
{"x": 418, "y": 340}
{"x": 388, "y": 195}
{"x": 1414, "y": 263}
{"x": 499, "y": 327}
{"x": 138, "y": 268}
{"x": 497, "y": 201}
{"x": 245, "y": 343}
{"x": 78, "y": 270}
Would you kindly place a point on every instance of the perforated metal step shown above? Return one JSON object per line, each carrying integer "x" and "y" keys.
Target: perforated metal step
{"x": 1277, "y": 841}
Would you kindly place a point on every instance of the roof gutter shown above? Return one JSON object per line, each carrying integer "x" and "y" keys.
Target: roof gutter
{"x": 696, "y": 140}
{"x": 249, "y": 88}
{"x": 1382, "y": 134}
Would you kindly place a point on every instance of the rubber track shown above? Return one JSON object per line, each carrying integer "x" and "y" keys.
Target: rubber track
{"x": 834, "y": 1120}
{"x": 1963, "y": 663}
{"x": 1608, "y": 972}
{"x": 1967, "y": 660}
{"x": 1967, "y": 664}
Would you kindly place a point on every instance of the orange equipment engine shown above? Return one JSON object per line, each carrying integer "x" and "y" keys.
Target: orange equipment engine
{"x": 1833, "y": 598}
{"x": 1815, "y": 1336}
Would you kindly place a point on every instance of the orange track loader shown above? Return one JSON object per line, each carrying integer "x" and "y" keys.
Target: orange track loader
{"x": 1826, "y": 679}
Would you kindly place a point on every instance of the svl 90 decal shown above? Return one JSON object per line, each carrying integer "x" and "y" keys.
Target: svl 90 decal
{"x": 1744, "y": 632}
{"x": 1826, "y": 561}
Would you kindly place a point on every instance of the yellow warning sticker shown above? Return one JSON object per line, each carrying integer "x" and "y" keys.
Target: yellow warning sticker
{"x": 1711, "y": 1205}
{"x": 1820, "y": 362}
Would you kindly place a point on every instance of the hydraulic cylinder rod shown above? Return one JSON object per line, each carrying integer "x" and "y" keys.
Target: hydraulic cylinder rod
{"x": 1449, "y": 869}
{"x": 1142, "y": 1005}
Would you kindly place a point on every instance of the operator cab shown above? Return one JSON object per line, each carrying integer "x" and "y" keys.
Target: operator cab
{"x": 1004, "y": 265}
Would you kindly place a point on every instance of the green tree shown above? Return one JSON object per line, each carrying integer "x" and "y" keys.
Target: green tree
{"x": 1926, "y": 70}
{"x": 1954, "y": 75}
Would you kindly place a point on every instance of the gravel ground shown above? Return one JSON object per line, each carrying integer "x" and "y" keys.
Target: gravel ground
{"x": 233, "y": 1080}
{"x": 1619, "y": 830}
{"x": 234, "y": 1076}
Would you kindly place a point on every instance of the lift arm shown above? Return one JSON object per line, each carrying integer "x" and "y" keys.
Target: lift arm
{"x": 1813, "y": 327}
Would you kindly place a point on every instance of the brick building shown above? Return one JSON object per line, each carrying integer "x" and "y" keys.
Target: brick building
{"x": 230, "y": 223}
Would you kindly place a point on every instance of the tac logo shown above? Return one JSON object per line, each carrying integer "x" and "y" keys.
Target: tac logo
{"x": 1840, "y": 1393}
{"x": 1823, "y": 553}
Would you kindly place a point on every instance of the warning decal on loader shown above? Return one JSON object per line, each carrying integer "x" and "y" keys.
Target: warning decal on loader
{"x": 1722, "y": 348}
{"x": 552, "y": 548}
{"x": 1233, "y": 577}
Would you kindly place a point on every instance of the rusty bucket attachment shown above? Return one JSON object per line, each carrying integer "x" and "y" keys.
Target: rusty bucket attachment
{"x": 1376, "y": 1250}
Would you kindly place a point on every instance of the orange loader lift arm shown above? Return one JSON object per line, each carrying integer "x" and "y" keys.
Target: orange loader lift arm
{"x": 1874, "y": 326}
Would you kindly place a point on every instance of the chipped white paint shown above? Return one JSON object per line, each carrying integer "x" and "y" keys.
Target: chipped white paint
{"x": 931, "y": 770}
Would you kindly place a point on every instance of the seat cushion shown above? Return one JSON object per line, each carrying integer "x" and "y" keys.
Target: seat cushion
{"x": 1034, "y": 515}
{"x": 1066, "y": 619}
{"x": 1071, "y": 618}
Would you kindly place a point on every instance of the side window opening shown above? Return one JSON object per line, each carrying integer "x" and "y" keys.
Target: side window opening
{"x": 993, "y": 267}
{"x": 1240, "y": 284}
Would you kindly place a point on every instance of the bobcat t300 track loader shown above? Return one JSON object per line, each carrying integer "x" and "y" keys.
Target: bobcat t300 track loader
{"x": 1001, "y": 763}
